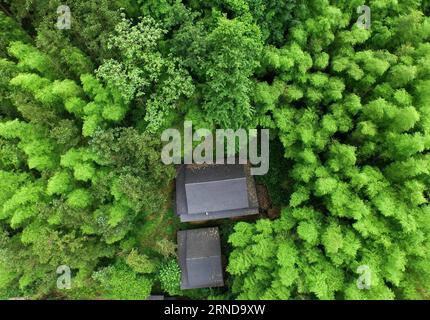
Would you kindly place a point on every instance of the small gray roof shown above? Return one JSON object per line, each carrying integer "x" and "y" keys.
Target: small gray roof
{"x": 205, "y": 192}
{"x": 216, "y": 172}
{"x": 155, "y": 297}
{"x": 200, "y": 258}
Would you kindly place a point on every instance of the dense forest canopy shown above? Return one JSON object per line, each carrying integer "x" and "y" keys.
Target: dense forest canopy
{"x": 82, "y": 111}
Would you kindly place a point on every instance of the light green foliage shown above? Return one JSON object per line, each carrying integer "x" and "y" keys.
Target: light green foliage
{"x": 67, "y": 201}
{"x": 38, "y": 148}
{"x": 107, "y": 105}
{"x": 120, "y": 282}
{"x": 170, "y": 277}
{"x": 354, "y": 127}
{"x": 79, "y": 199}
{"x": 31, "y": 59}
{"x": 60, "y": 183}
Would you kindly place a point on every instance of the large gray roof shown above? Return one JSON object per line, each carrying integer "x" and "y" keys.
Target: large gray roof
{"x": 200, "y": 258}
{"x": 205, "y": 192}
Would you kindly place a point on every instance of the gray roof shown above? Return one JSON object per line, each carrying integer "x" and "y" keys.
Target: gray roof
{"x": 155, "y": 297}
{"x": 206, "y": 192}
{"x": 200, "y": 258}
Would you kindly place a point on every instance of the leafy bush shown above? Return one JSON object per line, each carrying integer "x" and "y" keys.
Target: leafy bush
{"x": 120, "y": 282}
{"x": 170, "y": 277}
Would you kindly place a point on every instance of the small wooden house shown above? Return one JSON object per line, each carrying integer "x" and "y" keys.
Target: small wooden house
{"x": 208, "y": 192}
{"x": 199, "y": 252}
